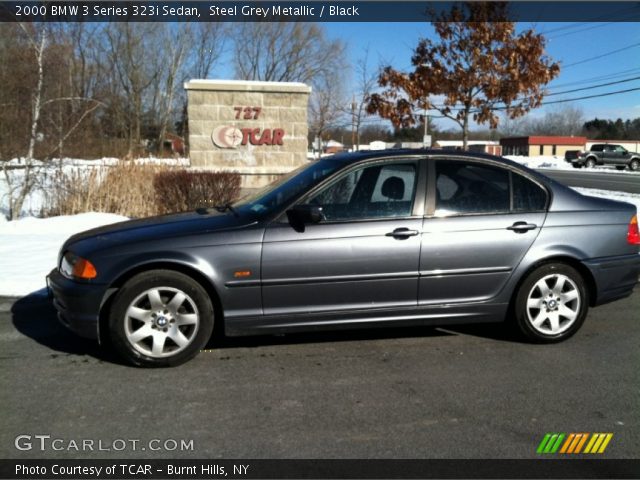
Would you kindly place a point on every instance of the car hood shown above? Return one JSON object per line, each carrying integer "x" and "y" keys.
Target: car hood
{"x": 157, "y": 228}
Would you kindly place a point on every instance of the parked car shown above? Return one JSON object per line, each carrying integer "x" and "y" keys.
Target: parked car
{"x": 385, "y": 238}
{"x": 605, "y": 154}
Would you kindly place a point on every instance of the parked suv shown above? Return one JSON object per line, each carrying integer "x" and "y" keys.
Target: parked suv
{"x": 605, "y": 154}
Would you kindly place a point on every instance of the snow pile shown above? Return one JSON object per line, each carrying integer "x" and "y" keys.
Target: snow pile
{"x": 544, "y": 161}
{"x": 29, "y": 247}
{"x": 559, "y": 163}
{"x": 102, "y": 162}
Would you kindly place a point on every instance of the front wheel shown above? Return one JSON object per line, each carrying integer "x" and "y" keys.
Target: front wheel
{"x": 634, "y": 165}
{"x": 551, "y": 304}
{"x": 160, "y": 318}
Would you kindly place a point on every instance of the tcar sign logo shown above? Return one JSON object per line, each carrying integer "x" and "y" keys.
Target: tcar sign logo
{"x": 227, "y": 136}
{"x": 230, "y": 137}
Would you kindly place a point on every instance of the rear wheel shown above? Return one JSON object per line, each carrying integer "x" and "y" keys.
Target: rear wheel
{"x": 590, "y": 163}
{"x": 634, "y": 165}
{"x": 160, "y": 318}
{"x": 551, "y": 304}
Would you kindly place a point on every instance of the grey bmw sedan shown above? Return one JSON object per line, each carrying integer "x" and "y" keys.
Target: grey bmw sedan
{"x": 384, "y": 238}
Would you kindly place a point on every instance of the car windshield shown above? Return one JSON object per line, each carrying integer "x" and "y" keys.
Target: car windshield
{"x": 287, "y": 188}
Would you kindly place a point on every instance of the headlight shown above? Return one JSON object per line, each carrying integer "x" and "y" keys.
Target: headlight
{"x": 73, "y": 266}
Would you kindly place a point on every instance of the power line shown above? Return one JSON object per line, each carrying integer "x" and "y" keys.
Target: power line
{"x": 606, "y": 94}
{"x": 610, "y": 76}
{"x": 593, "y": 86}
{"x": 602, "y": 55}
{"x": 590, "y": 96}
{"x": 574, "y": 90}
{"x": 599, "y": 25}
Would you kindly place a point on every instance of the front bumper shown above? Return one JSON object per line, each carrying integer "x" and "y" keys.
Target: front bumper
{"x": 615, "y": 277}
{"x": 78, "y": 304}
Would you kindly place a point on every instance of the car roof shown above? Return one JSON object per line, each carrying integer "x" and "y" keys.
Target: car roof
{"x": 353, "y": 157}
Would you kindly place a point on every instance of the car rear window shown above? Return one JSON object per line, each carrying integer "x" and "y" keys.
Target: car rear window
{"x": 468, "y": 188}
{"x": 527, "y": 196}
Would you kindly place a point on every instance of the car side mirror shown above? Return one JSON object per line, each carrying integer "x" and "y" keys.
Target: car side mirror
{"x": 301, "y": 215}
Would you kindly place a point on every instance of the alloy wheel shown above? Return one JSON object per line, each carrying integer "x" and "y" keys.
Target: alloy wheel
{"x": 161, "y": 322}
{"x": 553, "y": 304}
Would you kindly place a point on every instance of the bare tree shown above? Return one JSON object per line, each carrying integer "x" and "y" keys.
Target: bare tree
{"x": 366, "y": 82}
{"x": 326, "y": 106}
{"x": 19, "y": 186}
{"x": 54, "y": 111}
{"x": 561, "y": 119}
{"x": 208, "y": 42}
{"x": 136, "y": 62}
{"x": 284, "y": 52}
{"x": 169, "y": 79}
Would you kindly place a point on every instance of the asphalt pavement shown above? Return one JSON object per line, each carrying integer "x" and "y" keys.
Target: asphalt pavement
{"x": 607, "y": 179}
{"x": 459, "y": 392}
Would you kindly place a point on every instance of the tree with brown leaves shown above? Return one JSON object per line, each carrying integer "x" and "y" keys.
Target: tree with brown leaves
{"x": 478, "y": 65}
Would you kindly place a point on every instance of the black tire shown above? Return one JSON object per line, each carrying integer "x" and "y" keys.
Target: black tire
{"x": 526, "y": 316}
{"x": 150, "y": 294}
{"x": 620, "y": 167}
{"x": 590, "y": 163}
{"x": 634, "y": 165}
{"x": 576, "y": 165}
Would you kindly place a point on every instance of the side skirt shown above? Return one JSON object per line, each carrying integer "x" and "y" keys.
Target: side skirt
{"x": 372, "y": 318}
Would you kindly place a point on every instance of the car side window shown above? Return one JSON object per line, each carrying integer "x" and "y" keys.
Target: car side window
{"x": 375, "y": 191}
{"x": 470, "y": 188}
{"x": 527, "y": 196}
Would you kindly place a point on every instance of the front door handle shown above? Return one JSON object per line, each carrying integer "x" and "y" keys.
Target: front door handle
{"x": 521, "y": 227}
{"x": 402, "y": 233}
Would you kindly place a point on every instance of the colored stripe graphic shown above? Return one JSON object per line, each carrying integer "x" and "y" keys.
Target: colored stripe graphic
{"x": 550, "y": 443}
{"x": 598, "y": 442}
{"x": 553, "y": 443}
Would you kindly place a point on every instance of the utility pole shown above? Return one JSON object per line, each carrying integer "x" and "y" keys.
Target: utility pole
{"x": 426, "y": 141}
{"x": 353, "y": 124}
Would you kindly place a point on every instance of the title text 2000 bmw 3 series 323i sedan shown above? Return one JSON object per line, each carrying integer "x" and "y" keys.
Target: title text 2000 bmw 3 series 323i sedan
{"x": 370, "y": 239}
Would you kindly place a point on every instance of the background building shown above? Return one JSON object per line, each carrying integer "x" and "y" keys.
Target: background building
{"x": 479, "y": 146}
{"x": 541, "y": 145}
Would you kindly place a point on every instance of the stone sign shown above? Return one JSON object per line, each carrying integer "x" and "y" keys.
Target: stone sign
{"x": 258, "y": 129}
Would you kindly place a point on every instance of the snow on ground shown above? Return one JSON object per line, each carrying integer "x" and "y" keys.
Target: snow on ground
{"x": 29, "y": 248}
{"x": 106, "y": 161}
{"x": 559, "y": 163}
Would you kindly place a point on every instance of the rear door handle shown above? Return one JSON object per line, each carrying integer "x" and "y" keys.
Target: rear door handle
{"x": 521, "y": 227}
{"x": 402, "y": 233}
